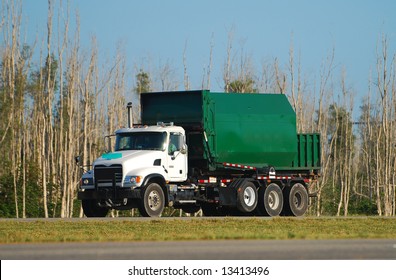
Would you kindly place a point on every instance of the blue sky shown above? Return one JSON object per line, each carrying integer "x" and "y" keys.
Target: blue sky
{"x": 158, "y": 31}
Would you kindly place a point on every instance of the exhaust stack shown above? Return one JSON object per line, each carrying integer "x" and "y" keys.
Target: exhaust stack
{"x": 130, "y": 118}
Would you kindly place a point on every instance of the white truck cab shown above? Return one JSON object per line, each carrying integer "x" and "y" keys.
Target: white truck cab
{"x": 144, "y": 151}
{"x": 142, "y": 155}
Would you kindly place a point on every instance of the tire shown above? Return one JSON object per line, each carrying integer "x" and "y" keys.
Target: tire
{"x": 247, "y": 197}
{"x": 93, "y": 210}
{"x": 297, "y": 200}
{"x": 270, "y": 200}
{"x": 153, "y": 201}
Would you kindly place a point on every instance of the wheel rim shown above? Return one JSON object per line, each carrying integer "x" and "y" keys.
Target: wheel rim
{"x": 297, "y": 200}
{"x": 273, "y": 200}
{"x": 249, "y": 196}
{"x": 154, "y": 200}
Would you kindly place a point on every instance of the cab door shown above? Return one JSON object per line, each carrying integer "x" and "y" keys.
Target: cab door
{"x": 177, "y": 157}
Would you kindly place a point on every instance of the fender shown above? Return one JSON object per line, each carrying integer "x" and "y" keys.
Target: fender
{"x": 154, "y": 177}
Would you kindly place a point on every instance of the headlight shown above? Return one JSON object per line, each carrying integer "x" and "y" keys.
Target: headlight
{"x": 134, "y": 180}
{"x": 87, "y": 181}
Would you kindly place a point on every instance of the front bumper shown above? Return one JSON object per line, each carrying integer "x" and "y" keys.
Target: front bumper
{"x": 109, "y": 193}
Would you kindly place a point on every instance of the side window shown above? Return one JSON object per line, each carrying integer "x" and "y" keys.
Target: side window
{"x": 175, "y": 143}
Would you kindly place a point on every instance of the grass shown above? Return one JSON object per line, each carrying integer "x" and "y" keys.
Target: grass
{"x": 168, "y": 229}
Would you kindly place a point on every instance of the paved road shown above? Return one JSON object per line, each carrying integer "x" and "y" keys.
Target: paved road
{"x": 207, "y": 250}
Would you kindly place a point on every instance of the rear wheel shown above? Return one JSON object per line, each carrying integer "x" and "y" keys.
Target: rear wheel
{"x": 153, "y": 201}
{"x": 297, "y": 200}
{"x": 270, "y": 202}
{"x": 247, "y": 197}
{"x": 92, "y": 209}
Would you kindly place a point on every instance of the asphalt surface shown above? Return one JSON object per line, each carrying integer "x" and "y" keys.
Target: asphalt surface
{"x": 207, "y": 250}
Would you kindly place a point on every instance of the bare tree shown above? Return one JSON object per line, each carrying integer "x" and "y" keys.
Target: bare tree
{"x": 280, "y": 78}
{"x": 166, "y": 77}
{"x": 344, "y": 162}
{"x": 325, "y": 91}
{"x": 210, "y": 65}
{"x": 296, "y": 90}
{"x": 12, "y": 76}
{"x": 227, "y": 66}
{"x": 239, "y": 73}
{"x": 186, "y": 78}
{"x": 385, "y": 151}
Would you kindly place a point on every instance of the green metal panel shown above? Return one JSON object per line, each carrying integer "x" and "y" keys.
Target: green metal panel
{"x": 251, "y": 129}
{"x": 178, "y": 107}
{"x": 308, "y": 152}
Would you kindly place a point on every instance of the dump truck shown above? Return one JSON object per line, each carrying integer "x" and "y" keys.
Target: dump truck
{"x": 222, "y": 153}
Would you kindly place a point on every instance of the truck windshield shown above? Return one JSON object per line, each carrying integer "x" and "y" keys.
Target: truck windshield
{"x": 141, "y": 141}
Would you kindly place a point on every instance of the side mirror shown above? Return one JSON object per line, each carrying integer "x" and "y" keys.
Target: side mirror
{"x": 77, "y": 159}
{"x": 183, "y": 149}
{"x": 108, "y": 145}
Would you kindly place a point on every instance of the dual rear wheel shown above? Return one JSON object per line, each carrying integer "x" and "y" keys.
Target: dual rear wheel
{"x": 292, "y": 201}
{"x": 297, "y": 200}
{"x": 271, "y": 200}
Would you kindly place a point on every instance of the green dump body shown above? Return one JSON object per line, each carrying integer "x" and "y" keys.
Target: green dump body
{"x": 249, "y": 129}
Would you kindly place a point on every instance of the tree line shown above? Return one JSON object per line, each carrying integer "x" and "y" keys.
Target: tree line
{"x": 58, "y": 100}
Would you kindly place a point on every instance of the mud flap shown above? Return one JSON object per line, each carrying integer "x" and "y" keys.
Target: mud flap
{"x": 228, "y": 194}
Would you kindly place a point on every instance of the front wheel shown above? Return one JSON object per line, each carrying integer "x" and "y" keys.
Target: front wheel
{"x": 153, "y": 201}
{"x": 92, "y": 209}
